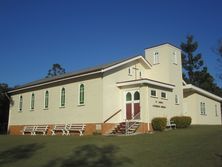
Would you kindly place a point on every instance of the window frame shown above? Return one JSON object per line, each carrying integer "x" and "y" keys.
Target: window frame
{"x": 126, "y": 97}
{"x": 216, "y": 110}
{"x": 62, "y": 97}
{"x": 32, "y": 102}
{"x": 20, "y": 103}
{"x": 175, "y": 58}
{"x": 177, "y": 100}
{"x": 140, "y": 74}
{"x": 135, "y": 97}
{"x": 202, "y": 108}
{"x": 81, "y": 94}
{"x": 46, "y": 99}
{"x": 152, "y": 90}
{"x": 130, "y": 71}
{"x": 162, "y": 96}
{"x": 156, "y": 58}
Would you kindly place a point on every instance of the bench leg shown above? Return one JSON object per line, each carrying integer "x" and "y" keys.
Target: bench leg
{"x": 53, "y": 132}
{"x": 68, "y": 133}
{"x": 80, "y": 133}
{"x": 63, "y": 132}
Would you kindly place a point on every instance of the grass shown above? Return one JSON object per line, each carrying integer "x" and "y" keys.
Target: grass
{"x": 195, "y": 146}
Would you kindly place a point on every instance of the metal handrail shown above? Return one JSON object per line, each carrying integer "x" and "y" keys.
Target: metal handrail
{"x": 134, "y": 117}
{"x": 132, "y": 120}
{"x": 112, "y": 116}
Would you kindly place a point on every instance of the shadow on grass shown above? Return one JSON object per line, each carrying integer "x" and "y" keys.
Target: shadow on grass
{"x": 219, "y": 155}
{"x": 91, "y": 156}
{"x": 20, "y": 152}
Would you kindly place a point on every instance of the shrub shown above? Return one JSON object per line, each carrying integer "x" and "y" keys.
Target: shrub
{"x": 181, "y": 121}
{"x": 159, "y": 123}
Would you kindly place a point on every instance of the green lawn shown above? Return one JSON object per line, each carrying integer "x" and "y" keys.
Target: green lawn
{"x": 195, "y": 146}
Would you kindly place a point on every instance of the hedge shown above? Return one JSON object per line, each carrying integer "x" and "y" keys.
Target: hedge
{"x": 159, "y": 123}
{"x": 181, "y": 121}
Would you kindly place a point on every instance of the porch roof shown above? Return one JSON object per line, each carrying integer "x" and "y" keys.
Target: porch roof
{"x": 195, "y": 89}
{"x": 145, "y": 81}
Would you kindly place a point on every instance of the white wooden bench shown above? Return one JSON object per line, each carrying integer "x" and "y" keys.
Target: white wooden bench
{"x": 28, "y": 129}
{"x": 40, "y": 129}
{"x": 80, "y": 128}
{"x": 59, "y": 128}
{"x": 171, "y": 124}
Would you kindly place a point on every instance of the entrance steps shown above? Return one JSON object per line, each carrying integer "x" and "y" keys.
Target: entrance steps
{"x": 125, "y": 128}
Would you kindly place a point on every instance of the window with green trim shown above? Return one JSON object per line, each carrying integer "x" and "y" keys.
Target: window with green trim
{"x": 81, "y": 94}
{"x": 32, "y": 101}
{"x": 20, "y": 103}
{"x": 63, "y": 97}
{"x": 136, "y": 95}
{"x": 202, "y": 108}
{"x": 47, "y": 99}
{"x": 216, "y": 113}
{"x": 128, "y": 97}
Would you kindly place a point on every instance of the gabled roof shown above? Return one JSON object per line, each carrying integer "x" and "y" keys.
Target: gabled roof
{"x": 81, "y": 73}
{"x": 190, "y": 87}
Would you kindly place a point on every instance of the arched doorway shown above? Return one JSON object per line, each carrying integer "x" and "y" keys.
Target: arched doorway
{"x": 132, "y": 105}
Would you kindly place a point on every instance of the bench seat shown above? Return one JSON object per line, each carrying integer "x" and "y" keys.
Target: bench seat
{"x": 79, "y": 128}
{"x": 40, "y": 129}
{"x": 28, "y": 129}
{"x": 59, "y": 128}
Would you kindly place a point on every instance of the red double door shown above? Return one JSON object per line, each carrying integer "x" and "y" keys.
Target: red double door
{"x": 132, "y": 105}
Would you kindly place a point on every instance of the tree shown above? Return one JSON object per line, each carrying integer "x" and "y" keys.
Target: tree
{"x": 194, "y": 70}
{"x": 206, "y": 81}
{"x": 191, "y": 63}
{"x": 55, "y": 71}
{"x": 219, "y": 53}
{"x": 4, "y": 106}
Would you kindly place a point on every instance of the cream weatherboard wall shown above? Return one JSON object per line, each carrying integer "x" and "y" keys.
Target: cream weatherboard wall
{"x": 90, "y": 112}
{"x": 113, "y": 96}
{"x": 192, "y": 107}
{"x": 162, "y": 107}
{"x": 105, "y": 93}
{"x": 167, "y": 69}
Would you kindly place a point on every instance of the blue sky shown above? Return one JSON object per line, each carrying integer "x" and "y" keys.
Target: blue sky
{"x": 34, "y": 34}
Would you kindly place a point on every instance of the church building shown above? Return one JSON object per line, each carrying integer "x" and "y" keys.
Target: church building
{"x": 137, "y": 89}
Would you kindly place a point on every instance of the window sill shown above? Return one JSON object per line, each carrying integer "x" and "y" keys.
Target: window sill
{"x": 164, "y": 98}
{"x": 175, "y": 63}
{"x": 154, "y": 97}
{"x": 203, "y": 114}
{"x": 31, "y": 110}
{"x": 79, "y": 105}
{"x": 45, "y": 108}
{"x": 177, "y": 103}
{"x": 62, "y": 107}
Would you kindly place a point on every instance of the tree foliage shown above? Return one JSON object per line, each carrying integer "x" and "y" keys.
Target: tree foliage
{"x": 55, "y": 71}
{"x": 4, "y": 106}
{"x": 194, "y": 71}
{"x": 191, "y": 63}
{"x": 219, "y": 53}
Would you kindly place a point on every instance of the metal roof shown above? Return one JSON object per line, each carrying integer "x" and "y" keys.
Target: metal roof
{"x": 98, "y": 68}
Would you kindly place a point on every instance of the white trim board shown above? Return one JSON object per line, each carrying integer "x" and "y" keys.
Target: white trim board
{"x": 145, "y": 81}
{"x": 193, "y": 88}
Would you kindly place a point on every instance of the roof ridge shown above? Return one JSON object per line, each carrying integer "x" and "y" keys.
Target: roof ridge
{"x": 92, "y": 69}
